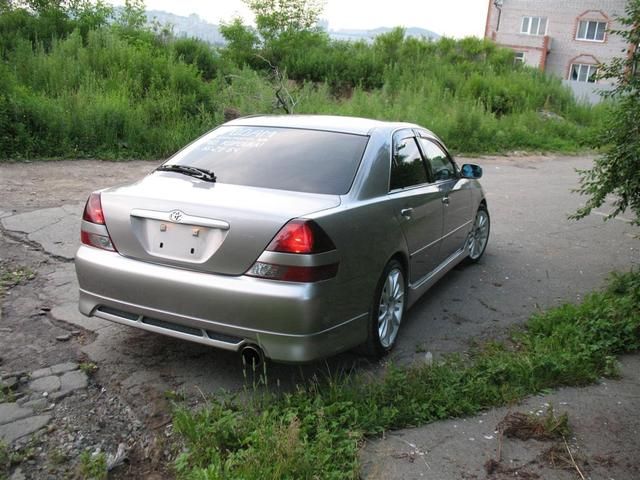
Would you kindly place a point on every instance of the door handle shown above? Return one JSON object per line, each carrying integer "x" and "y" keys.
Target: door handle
{"x": 445, "y": 200}
{"x": 406, "y": 212}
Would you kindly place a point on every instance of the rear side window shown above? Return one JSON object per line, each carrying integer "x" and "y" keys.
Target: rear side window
{"x": 407, "y": 168}
{"x": 279, "y": 158}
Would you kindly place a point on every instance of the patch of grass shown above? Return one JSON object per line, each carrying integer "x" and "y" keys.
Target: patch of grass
{"x": 89, "y": 368}
{"x": 175, "y": 395}
{"x": 315, "y": 431}
{"x": 9, "y": 457}
{"x": 10, "y": 276}
{"x": 58, "y": 457}
{"x": 5, "y": 460}
{"x": 526, "y": 426}
{"x": 93, "y": 466}
{"x": 6, "y": 394}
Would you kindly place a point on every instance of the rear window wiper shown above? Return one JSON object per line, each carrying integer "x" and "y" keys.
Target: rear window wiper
{"x": 201, "y": 173}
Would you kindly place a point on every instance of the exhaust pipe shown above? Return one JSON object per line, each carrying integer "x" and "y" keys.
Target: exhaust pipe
{"x": 252, "y": 356}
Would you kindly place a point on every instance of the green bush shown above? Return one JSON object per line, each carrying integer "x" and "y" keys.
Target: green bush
{"x": 73, "y": 85}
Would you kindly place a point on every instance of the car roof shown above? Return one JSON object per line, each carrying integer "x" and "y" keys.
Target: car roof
{"x": 332, "y": 123}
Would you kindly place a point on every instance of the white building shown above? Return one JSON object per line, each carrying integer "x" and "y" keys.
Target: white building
{"x": 566, "y": 38}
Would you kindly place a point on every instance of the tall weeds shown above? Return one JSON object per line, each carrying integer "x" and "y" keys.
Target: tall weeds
{"x": 115, "y": 92}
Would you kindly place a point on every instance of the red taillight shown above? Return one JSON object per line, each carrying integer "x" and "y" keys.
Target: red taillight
{"x": 298, "y": 237}
{"x": 93, "y": 210}
{"x": 95, "y": 235}
{"x": 301, "y": 236}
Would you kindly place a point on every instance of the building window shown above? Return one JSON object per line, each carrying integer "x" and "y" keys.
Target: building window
{"x": 519, "y": 57}
{"x": 591, "y": 30}
{"x": 581, "y": 72}
{"x": 534, "y": 25}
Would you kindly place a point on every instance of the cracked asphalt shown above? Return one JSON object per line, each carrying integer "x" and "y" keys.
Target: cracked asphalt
{"x": 536, "y": 258}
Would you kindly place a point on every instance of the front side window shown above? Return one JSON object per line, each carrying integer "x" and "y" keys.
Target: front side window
{"x": 590, "y": 30}
{"x": 407, "y": 167}
{"x": 519, "y": 57}
{"x": 583, "y": 73}
{"x": 534, "y": 25}
{"x": 441, "y": 167}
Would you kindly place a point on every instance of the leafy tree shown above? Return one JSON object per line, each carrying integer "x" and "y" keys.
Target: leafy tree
{"x": 133, "y": 15}
{"x": 617, "y": 172}
{"x": 274, "y": 17}
{"x": 241, "y": 42}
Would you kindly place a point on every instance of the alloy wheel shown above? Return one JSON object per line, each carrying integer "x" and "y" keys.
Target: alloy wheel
{"x": 391, "y": 308}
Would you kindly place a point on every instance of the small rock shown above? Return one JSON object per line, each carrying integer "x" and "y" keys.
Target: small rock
{"x": 20, "y": 428}
{"x": 18, "y": 395}
{"x": 71, "y": 381}
{"x": 45, "y": 384}
{"x": 57, "y": 396}
{"x": 64, "y": 338}
{"x": 17, "y": 475}
{"x": 64, "y": 367}
{"x": 38, "y": 404}
{"x": 43, "y": 372}
{"x": 10, "y": 412}
{"x": 9, "y": 383}
{"x": 428, "y": 359}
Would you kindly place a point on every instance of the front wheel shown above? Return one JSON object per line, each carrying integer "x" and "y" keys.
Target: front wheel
{"x": 479, "y": 236}
{"x": 387, "y": 312}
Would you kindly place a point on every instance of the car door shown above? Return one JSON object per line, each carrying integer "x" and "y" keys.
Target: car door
{"x": 455, "y": 196}
{"x": 417, "y": 206}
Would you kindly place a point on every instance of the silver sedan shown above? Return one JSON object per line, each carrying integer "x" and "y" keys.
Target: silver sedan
{"x": 288, "y": 237}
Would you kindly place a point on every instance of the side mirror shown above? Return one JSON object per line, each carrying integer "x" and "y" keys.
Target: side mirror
{"x": 469, "y": 170}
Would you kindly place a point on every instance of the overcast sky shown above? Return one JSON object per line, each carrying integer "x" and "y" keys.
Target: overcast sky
{"x": 454, "y": 18}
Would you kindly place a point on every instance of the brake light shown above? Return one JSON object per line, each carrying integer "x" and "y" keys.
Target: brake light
{"x": 301, "y": 236}
{"x": 93, "y": 210}
{"x": 94, "y": 232}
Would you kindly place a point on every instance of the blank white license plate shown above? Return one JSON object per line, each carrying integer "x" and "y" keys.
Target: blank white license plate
{"x": 190, "y": 243}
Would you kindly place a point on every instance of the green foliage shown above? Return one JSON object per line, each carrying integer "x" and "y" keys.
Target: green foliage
{"x": 5, "y": 459}
{"x": 242, "y": 42}
{"x": 11, "y": 276}
{"x": 93, "y": 466}
{"x": 617, "y": 172}
{"x": 89, "y": 368}
{"x": 77, "y": 82}
{"x": 275, "y": 17}
{"x": 315, "y": 431}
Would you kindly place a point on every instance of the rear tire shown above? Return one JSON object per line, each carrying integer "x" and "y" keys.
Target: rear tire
{"x": 387, "y": 310}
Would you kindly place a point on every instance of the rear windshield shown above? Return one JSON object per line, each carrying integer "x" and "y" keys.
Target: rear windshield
{"x": 280, "y": 158}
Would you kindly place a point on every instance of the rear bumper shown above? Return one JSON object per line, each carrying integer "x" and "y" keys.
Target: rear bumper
{"x": 291, "y": 322}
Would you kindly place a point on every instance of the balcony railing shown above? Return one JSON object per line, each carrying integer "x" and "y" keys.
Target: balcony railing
{"x": 521, "y": 40}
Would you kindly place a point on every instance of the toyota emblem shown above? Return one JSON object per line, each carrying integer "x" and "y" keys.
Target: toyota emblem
{"x": 176, "y": 216}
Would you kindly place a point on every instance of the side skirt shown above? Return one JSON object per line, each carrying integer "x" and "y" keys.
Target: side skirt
{"x": 417, "y": 289}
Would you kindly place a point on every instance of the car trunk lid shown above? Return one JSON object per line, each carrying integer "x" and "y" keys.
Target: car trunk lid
{"x": 185, "y": 222}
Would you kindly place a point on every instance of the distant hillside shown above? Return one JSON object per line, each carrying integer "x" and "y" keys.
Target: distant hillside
{"x": 194, "y": 26}
{"x": 191, "y": 26}
{"x": 369, "y": 35}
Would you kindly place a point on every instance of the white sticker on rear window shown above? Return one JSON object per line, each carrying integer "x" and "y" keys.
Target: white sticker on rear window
{"x": 239, "y": 139}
